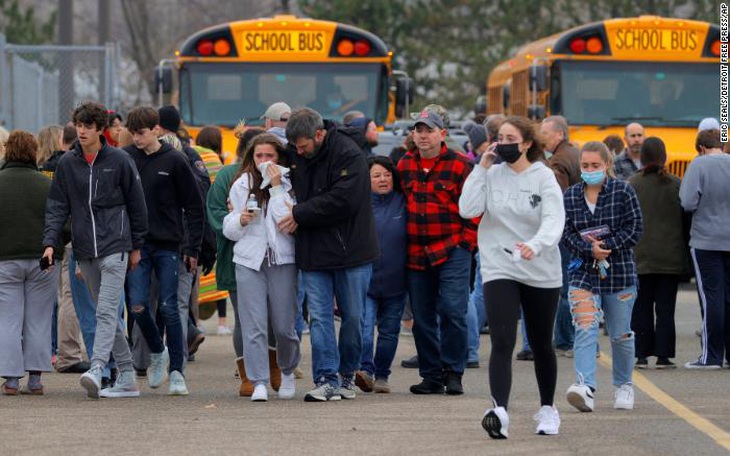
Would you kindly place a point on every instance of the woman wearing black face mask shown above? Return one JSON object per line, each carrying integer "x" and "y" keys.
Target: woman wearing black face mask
{"x": 523, "y": 218}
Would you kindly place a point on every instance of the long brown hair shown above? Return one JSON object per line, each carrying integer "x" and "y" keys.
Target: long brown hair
{"x": 248, "y": 166}
{"x": 654, "y": 157}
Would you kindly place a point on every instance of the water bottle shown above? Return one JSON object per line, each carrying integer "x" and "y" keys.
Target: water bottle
{"x": 252, "y": 204}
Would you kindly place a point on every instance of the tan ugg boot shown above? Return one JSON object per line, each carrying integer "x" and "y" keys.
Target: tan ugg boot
{"x": 274, "y": 371}
{"x": 246, "y": 388}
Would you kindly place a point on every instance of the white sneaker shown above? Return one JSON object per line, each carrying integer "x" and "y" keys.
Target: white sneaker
{"x": 159, "y": 363}
{"x": 624, "y": 397}
{"x": 260, "y": 393}
{"x": 91, "y": 381}
{"x": 580, "y": 396}
{"x": 496, "y": 422}
{"x": 177, "y": 385}
{"x": 224, "y": 331}
{"x": 125, "y": 386}
{"x": 548, "y": 420}
{"x": 288, "y": 387}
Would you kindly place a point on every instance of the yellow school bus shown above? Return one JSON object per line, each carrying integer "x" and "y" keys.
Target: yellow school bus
{"x": 662, "y": 73}
{"x": 233, "y": 71}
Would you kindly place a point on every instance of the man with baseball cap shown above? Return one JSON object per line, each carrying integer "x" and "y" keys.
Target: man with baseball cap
{"x": 275, "y": 119}
{"x": 439, "y": 255}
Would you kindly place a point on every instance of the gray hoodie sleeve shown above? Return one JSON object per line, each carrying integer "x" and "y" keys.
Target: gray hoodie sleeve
{"x": 690, "y": 191}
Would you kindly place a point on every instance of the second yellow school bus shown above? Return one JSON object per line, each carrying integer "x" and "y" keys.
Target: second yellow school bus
{"x": 233, "y": 71}
{"x": 660, "y": 72}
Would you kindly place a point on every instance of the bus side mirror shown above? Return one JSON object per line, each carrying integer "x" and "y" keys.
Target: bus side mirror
{"x": 538, "y": 78}
{"x": 480, "y": 106}
{"x": 163, "y": 80}
{"x": 404, "y": 93}
{"x": 536, "y": 112}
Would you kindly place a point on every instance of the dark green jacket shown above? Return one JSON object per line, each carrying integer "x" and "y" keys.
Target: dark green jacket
{"x": 663, "y": 247}
{"x": 217, "y": 208}
{"x": 23, "y": 194}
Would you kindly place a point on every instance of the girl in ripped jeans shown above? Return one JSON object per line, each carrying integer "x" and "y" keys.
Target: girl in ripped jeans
{"x": 603, "y": 223}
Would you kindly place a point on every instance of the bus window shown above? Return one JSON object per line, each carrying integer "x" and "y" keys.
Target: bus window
{"x": 655, "y": 94}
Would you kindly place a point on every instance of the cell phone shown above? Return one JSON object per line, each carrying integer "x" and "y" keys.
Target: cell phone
{"x": 45, "y": 263}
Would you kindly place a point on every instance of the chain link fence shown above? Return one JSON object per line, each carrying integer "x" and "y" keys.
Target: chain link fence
{"x": 41, "y": 85}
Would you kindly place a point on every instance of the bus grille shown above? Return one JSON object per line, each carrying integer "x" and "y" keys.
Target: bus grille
{"x": 678, "y": 167}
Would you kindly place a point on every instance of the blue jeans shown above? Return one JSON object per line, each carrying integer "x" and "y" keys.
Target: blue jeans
{"x": 85, "y": 308}
{"x": 165, "y": 264}
{"x": 300, "y": 324}
{"x": 439, "y": 297}
{"x": 586, "y": 309}
{"x": 564, "y": 334}
{"x": 476, "y": 313}
{"x": 350, "y": 286}
{"x": 386, "y": 313}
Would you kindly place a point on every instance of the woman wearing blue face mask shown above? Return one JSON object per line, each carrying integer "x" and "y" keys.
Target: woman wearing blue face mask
{"x": 603, "y": 223}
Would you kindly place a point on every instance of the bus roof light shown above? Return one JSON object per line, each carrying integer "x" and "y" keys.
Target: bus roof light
{"x": 345, "y": 48}
{"x": 205, "y": 47}
{"x": 578, "y": 45}
{"x": 362, "y": 48}
{"x": 715, "y": 48}
{"x": 594, "y": 45}
{"x": 222, "y": 47}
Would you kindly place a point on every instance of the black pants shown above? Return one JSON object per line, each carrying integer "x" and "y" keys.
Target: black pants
{"x": 712, "y": 270}
{"x": 538, "y": 306}
{"x": 657, "y": 296}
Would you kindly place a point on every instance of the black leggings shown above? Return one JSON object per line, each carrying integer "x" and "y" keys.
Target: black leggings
{"x": 539, "y": 306}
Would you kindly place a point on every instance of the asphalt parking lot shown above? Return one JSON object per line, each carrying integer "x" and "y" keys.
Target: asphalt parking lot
{"x": 678, "y": 412}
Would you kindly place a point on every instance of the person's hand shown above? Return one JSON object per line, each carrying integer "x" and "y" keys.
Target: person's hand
{"x": 488, "y": 157}
{"x": 525, "y": 250}
{"x": 287, "y": 224}
{"x": 191, "y": 263}
{"x": 274, "y": 174}
{"x": 246, "y": 217}
{"x": 134, "y": 257}
{"x": 48, "y": 254}
{"x": 599, "y": 253}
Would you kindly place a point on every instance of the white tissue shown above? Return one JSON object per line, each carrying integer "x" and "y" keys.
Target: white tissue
{"x": 267, "y": 180}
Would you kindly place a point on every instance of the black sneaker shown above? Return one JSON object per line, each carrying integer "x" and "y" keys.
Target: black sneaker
{"x": 428, "y": 387}
{"x": 472, "y": 364}
{"x": 452, "y": 380}
{"x": 665, "y": 363}
{"x": 484, "y": 330}
{"x": 643, "y": 363}
{"x": 410, "y": 363}
{"x": 141, "y": 373}
{"x": 525, "y": 355}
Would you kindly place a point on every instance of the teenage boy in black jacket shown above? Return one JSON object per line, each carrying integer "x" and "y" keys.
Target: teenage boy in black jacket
{"x": 170, "y": 188}
{"x": 335, "y": 245}
{"x": 99, "y": 187}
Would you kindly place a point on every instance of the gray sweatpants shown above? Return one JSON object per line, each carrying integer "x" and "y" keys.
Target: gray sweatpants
{"x": 27, "y": 295}
{"x": 105, "y": 278}
{"x": 140, "y": 350}
{"x": 268, "y": 295}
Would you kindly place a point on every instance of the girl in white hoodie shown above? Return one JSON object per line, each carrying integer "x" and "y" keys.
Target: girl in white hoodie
{"x": 265, "y": 271}
{"x": 521, "y": 205}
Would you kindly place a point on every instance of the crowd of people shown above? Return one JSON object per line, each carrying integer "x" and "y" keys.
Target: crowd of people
{"x": 127, "y": 215}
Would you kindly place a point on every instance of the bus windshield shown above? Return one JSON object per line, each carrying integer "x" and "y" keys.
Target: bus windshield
{"x": 651, "y": 93}
{"x": 225, "y": 93}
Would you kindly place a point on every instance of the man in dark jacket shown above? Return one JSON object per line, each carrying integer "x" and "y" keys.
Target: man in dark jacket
{"x": 565, "y": 163}
{"x": 99, "y": 187}
{"x": 335, "y": 245}
{"x": 170, "y": 189}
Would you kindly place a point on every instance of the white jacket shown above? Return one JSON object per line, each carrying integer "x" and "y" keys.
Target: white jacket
{"x": 522, "y": 207}
{"x": 253, "y": 240}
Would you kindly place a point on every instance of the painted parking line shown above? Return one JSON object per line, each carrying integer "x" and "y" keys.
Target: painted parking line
{"x": 720, "y": 436}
